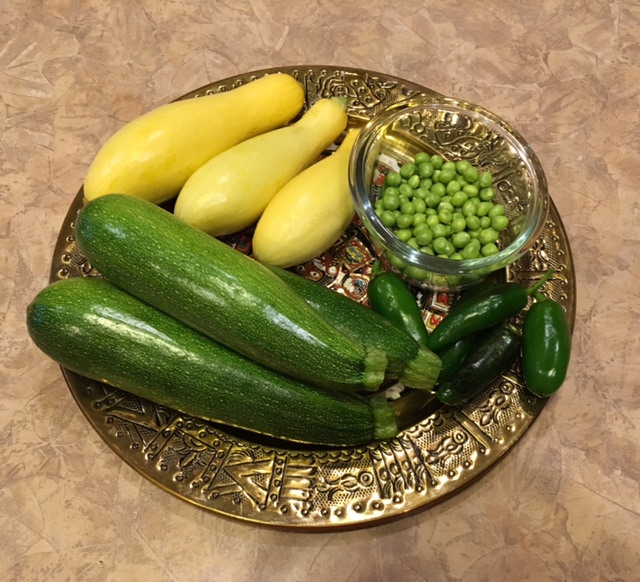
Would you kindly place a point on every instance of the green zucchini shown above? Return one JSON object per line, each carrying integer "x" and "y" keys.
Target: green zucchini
{"x": 220, "y": 292}
{"x": 411, "y": 364}
{"x": 99, "y": 331}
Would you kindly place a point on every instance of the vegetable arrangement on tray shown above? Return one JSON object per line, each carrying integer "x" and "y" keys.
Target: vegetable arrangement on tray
{"x": 182, "y": 319}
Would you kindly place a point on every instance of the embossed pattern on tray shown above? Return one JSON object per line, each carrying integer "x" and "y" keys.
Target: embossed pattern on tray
{"x": 243, "y": 475}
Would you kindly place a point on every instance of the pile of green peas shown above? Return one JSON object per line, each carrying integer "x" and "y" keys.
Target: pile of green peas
{"x": 441, "y": 208}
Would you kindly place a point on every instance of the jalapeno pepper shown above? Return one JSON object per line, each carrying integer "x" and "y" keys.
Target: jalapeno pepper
{"x": 391, "y": 297}
{"x": 489, "y": 307}
{"x": 454, "y": 354}
{"x": 546, "y": 346}
{"x": 494, "y": 353}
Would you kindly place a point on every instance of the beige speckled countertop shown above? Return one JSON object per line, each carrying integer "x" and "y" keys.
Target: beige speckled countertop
{"x": 565, "y": 502}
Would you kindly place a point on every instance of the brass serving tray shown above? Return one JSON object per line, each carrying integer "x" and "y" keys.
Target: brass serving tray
{"x": 242, "y": 475}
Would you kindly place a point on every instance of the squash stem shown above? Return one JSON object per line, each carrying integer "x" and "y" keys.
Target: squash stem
{"x": 386, "y": 426}
{"x": 422, "y": 372}
{"x": 375, "y": 366}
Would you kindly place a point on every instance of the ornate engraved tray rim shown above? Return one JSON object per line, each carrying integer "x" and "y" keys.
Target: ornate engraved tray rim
{"x": 274, "y": 483}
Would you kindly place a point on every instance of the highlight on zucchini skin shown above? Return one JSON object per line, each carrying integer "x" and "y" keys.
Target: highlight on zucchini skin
{"x": 99, "y": 331}
{"x": 222, "y": 293}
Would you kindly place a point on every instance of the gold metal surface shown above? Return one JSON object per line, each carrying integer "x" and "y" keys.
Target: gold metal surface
{"x": 245, "y": 476}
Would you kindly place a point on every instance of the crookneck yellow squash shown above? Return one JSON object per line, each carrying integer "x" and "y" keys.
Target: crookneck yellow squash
{"x": 231, "y": 191}
{"x": 309, "y": 213}
{"x": 152, "y": 156}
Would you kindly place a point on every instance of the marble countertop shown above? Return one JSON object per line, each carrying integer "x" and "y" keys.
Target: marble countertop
{"x": 565, "y": 502}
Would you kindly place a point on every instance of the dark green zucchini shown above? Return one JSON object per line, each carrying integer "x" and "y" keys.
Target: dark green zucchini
{"x": 99, "y": 331}
{"x": 411, "y": 364}
{"x": 220, "y": 292}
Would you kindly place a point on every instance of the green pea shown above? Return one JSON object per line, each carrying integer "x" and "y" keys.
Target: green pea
{"x": 460, "y": 239}
{"x": 413, "y": 243}
{"x": 406, "y": 190}
{"x": 445, "y": 215}
{"x": 407, "y": 170}
{"x": 456, "y": 256}
{"x": 496, "y": 210}
{"x": 438, "y": 189}
{"x": 446, "y": 198}
{"x": 439, "y": 230}
{"x": 404, "y": 234}
{"x": 437, "y": 161}
{"x": 378, "y": 210}
{"x": 414, "y": 181}
{"x": 489, "y": 249}
{"x": 445, "y": 205}
{"x": 424, "y": 237}
{"x": 470, "y": 190}
{"x": 433, "y": 219}
{"x": 430, "y": 211}
{"x": 499, "y": 222}
{"x": 458, "y": 225}
{"x": 404, "y": 221}
{"x": 488, "y": 235}
{"x": 390, "y": 191}
{"x": 403, "y": 199}
{"x": 421, "y": 158}
{"x": 453, "y": 187}
{"x": 390, "y": 202}
{"x": 469, "y": 208}
{"x": 419, "y": 205}
{"x": 418, "y": 219}
{"x": 436, "y": 176}
{"x": 473, "y": 222}
{"x": 426, "y": 183}
{"x": 421, "y": 225}
{"x": 459, "y": 199}
{"x": 474, "y": 233}
{"x": 470, "y": 174}
{"x": 432, "y": 200}
{"x": 397, "y": 262}
{"x": 393, "y": 179}
{"x": 449, "y": 166}
{"x": 485, "y": 222}
{"x": 462, "y": 165}
{"x": 425, "y": 170}
{"x": 408, "y": 208}
{"x": 441, "y": 246}
{"x": 471, "y": 250}
{"x": 485, "y": 180}
{"x": 420, "y": 193}
{"x": 416, "y": 273}
{"x": 487, "y": 194}
{"x": 388, "y": 218}
{"x": 446, "y": 175}
{"x": 428, "y": 250}
{"x": 457, "y": 215}
{"x": 483, "y": 209}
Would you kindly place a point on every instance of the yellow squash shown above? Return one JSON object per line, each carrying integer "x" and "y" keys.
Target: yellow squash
{"x": 152, "y": 156}
{"x": 309, "y": 214}
{"x": 231, "y": 191}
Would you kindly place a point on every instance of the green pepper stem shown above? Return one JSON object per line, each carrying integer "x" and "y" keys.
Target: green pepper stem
{"x": 534, "y": 288}
{"x": 376, "y": 269}
{"x": 539, "y": 297}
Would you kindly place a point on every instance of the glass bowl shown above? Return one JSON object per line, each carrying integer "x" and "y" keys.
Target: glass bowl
{"x": 456, "y": 130}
